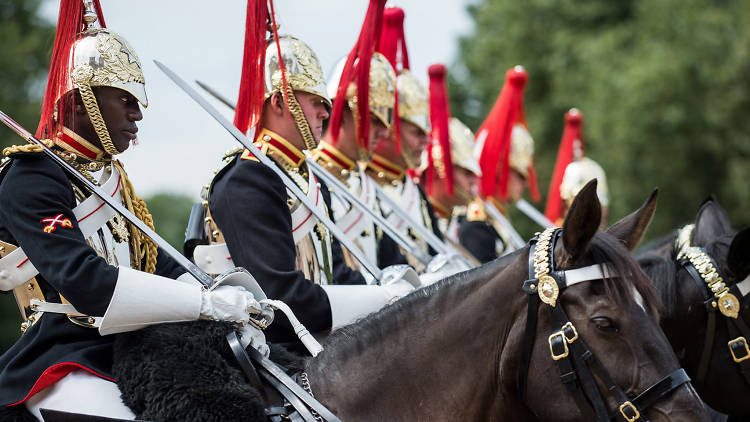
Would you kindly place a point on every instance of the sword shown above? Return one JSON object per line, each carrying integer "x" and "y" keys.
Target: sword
{"x": 404, "y": 242}
{"x": 516, "y": 241}
{"x": 193, "y": 269}
{"x": 343, "y": 190}
{"x": 288, "y": 183}
{"x": 534, "y": 214}
{"x": 215, "y": 94}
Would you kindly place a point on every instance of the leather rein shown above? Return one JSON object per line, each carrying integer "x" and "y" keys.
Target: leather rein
{"x": 717, "y": 295}
{"x": 576, "y": 362}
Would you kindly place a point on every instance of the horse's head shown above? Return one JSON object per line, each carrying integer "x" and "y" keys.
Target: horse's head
{"x": 708, "y": 312}
{"x": 614, "y": 314}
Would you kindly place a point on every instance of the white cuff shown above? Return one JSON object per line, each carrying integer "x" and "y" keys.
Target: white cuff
{"x": 141, "y": 299}
{"x": 352, "y": 302}
{"x": 213, "y": 259}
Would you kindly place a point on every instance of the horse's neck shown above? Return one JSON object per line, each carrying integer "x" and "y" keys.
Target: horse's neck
{"x": 441, "y": 350}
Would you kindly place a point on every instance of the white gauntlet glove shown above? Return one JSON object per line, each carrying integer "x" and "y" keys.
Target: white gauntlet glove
{"x": 229, "y": 303}
{"x": 398, "y": 281}
{"x": 250, "y": 335}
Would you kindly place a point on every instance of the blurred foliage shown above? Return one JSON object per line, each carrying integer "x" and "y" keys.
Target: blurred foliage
{"x": 663, "y": 87}
{"x": 171, "y": 212}
{"x": 26, "y": 42}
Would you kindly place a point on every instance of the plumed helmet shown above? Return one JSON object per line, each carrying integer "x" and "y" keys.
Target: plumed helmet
{"x": 580, "y": 172}
{"x": 303, "y": 71}
{"x": 521, "y": 150}
{"x": 413, "y": 105}
{"x": 462, "y": 146}
{"x": 103, "y": 58}
{"x": 382, "y": 88}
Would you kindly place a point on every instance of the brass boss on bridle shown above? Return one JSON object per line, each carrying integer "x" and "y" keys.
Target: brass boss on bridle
{"x": 576, "y": 362}
{"x": 718, "y": 294}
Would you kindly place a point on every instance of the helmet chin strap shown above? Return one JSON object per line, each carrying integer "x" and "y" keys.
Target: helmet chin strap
{"x": 81, "y": 76}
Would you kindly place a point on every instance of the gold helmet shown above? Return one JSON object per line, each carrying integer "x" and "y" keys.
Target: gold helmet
{"x": 303, "y": 71}
{"x": 580, "y": 172}
{"x": 382, "y": 88}
{"x": 97, "y": 57}
{"x": 521, "y": 150}
{"x": 413, "y": 104}
{"x": 462, "y": 146}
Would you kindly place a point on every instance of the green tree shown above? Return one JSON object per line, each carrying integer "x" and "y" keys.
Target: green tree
{"x": 171, "y": 212}
{"x": 26, "y": 39}
{"x": 662, "y": 85}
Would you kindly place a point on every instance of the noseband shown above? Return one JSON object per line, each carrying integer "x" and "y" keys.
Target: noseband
{"x": 576, "y": 362}
{"x": 717, "y": 295}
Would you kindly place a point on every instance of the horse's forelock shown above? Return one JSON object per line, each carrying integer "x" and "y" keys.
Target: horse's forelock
{"x": 628, "y": 277}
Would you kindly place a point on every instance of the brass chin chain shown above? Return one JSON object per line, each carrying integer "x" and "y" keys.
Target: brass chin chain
{"x": 299, "y": 118}
{"x": 92, "y": 108}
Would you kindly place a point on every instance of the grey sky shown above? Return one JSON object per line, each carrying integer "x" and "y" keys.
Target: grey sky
{"x": 179, "y": 144}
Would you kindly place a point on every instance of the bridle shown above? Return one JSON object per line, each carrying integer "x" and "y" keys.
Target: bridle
{"x": 717, "y": 295}
{"x": 576, "y": 362}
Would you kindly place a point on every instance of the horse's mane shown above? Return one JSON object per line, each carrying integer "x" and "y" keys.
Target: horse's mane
{"x": 607, "y": 248}
{"x": 661, "y": 266}
{"x": 657, "y": 259}
{"x": 370, "y": 330}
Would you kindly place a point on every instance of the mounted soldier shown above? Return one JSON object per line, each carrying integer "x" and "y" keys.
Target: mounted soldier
{"x": 506, "y": 151}
{"x": 346, "y": 148}
{"x": 573, "y": 169}
{"x": 396, "y": 159}
{"x": 250, "y": 209}
{"x": 80, "y": 272}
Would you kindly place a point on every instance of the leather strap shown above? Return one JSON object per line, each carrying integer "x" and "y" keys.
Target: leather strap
{"x": 660, "y": 389}
{"x": 245, "y": 364}
{"x": 270, "y": 372}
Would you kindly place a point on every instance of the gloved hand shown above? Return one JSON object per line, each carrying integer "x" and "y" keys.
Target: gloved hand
{"x": 252, "y": 336}
{"x": 398, "y": 281}
{"x": 229, "y": 303}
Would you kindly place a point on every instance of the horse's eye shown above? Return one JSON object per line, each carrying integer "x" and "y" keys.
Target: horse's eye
{"x": 605, "y": 324}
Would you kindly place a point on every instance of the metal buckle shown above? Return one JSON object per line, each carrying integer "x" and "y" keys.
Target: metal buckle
{"x": 569, "y": 325}
{"x": 740, "y": 341}
{"x": 261, "y": 323}
{"x": 562, "y": 341}
{"x": 633, "y": 409}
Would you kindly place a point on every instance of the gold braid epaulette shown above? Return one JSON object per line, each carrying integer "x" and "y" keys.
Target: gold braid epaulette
{"x": 15, "y": 149}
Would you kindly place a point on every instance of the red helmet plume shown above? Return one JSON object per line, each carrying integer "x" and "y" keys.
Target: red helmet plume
{"x": 357, "y": 69}
{"x": 495, "y": 136}
{"x": 439, "y": 117}
{"x": 252, "y": 81}
{"x": 392, "y": 41}
{"x": 70, "y": 24}
{"x": 570, "y": 145}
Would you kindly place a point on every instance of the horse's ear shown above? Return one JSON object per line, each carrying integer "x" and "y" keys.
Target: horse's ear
{"x": 582, "y": 221}
{"x": 631, "y": 228}
{"x": 738, "y": 257}
{"x": 712, "y": 221}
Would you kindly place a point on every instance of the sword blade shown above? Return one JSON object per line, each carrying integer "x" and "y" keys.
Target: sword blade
{"x": 196, "y": 272}
{"x": 288, "y": 183}
{"x": 516, "y": 241}
{"x": 343, "y": 190}
{"x": 534, "y": 214}
{"x": 222, "y": 99}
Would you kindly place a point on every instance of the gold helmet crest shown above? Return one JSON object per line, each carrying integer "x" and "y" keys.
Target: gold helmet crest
{"x": 303, "y": 70}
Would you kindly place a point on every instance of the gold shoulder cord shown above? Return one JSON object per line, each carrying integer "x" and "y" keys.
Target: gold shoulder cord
{"x": 141, "y": 246}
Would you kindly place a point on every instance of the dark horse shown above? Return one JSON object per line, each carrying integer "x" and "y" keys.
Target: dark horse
{"x": 686, "y": 321}
{"x": 450, "y": 352}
